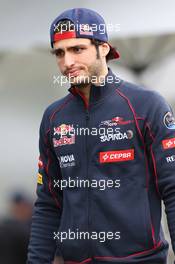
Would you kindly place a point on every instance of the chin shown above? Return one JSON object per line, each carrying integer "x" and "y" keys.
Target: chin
{"x": 79, "y": 80}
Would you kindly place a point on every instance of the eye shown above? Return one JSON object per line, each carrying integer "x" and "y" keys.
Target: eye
{"x": 77, "y": 50}
{"x": 59, "y": 53}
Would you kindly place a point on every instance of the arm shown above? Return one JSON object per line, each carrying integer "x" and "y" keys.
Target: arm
{"x": 161, "y": 128}
{"x": 47, "y": 208}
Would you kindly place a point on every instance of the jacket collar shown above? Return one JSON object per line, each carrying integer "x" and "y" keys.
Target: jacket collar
{"x": 98, "y": 93}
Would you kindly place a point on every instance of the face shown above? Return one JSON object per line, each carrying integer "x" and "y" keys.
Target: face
{"x": 77, "y": 60}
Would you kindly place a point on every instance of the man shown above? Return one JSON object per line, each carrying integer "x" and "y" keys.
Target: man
{"x": 106, "y": 159}
{"x": 15, "y": 229}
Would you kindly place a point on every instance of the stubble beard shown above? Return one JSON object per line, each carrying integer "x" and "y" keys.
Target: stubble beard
{"x": 86, "y": 80}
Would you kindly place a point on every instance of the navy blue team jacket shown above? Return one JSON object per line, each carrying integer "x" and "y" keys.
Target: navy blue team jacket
{"x": 134, "y": 154}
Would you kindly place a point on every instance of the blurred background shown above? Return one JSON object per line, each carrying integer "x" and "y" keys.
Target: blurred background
{"x": 146, "y": 42}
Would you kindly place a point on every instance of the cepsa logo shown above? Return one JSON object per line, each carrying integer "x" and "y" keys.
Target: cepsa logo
{"x": 116, "y": 156}
{"x": 64, "y": 135}
{"x": 168, "y": 143}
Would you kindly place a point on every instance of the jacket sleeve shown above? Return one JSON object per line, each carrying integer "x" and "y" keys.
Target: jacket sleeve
{"x": 161, "y": 127}
{"x": 47, "y": 208}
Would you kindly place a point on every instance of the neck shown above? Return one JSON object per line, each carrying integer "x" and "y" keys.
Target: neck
{"x": 85, "y": 89}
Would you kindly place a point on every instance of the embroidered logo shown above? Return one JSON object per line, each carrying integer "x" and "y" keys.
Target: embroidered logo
{"x": 169, "y": 120}
{"x": 63, "y": 135}
{"x": 168, "y": 143}
{"x": 67, "y": 161}
{"x": 40, "y": 178}
{"x": 116, "y": 156}
{"x": 118, "y": 135}
{"x": 115, "y": 121}
{"x": 40, "y": 163}
{"x": 85, "y": 29}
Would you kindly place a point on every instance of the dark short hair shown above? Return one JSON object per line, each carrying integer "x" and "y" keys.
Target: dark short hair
{"x": 97, "y": 43}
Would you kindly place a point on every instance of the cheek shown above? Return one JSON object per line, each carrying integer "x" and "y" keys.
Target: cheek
{"x": 87, "y": 60}
{"x": 60, "y": 65}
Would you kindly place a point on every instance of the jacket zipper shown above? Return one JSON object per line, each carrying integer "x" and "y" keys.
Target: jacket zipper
{"x": 88, "y": 190}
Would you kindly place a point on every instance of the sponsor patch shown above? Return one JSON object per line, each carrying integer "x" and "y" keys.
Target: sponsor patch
{"x": 63, "y": 135}
{"x": 117, "y": 135}
{"x": 85, "y": 29}
{"x": 169, "y": 120}
{"x": 66, "y": 161}
{"x": 116, "y": 156}
{"x": 40, "y": 163}
{"x": 168, "y": 143}
{"x": 115, "y": 121}
{"x": 170, "y": 159}
{"x": 40, "y": 178}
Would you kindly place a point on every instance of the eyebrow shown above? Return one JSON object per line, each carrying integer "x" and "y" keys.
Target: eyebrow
{"x": 54, "y": 51}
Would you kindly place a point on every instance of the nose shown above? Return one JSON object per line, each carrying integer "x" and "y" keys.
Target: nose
{"x": 68, "y": 60}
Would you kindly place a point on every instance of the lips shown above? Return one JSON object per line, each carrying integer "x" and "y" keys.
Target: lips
{"x": 73, "y": 73}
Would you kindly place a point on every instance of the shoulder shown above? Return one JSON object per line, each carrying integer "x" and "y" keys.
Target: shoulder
{"x": 141, "y": 97}
{"x": 56, "y": 106}
{"x": 138, "y": 91}
{"x": 52, "y": 108}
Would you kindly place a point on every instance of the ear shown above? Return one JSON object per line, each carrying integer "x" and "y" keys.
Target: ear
{"x": 104, "y": 49}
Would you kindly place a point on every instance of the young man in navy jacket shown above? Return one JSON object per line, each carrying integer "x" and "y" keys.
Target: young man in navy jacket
{"x": 107, "y": 158}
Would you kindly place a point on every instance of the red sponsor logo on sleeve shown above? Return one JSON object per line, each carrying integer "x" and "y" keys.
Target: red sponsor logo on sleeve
{"x": 40, "y": 163}
{"x": 116, "y": 155}
{"x": 168, "y": 143}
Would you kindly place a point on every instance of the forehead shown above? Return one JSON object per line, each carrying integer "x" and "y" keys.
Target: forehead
{"x": 66, "y": 43}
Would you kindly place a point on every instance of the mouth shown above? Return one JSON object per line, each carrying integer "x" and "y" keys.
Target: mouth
{"x": 73, "y": 73}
